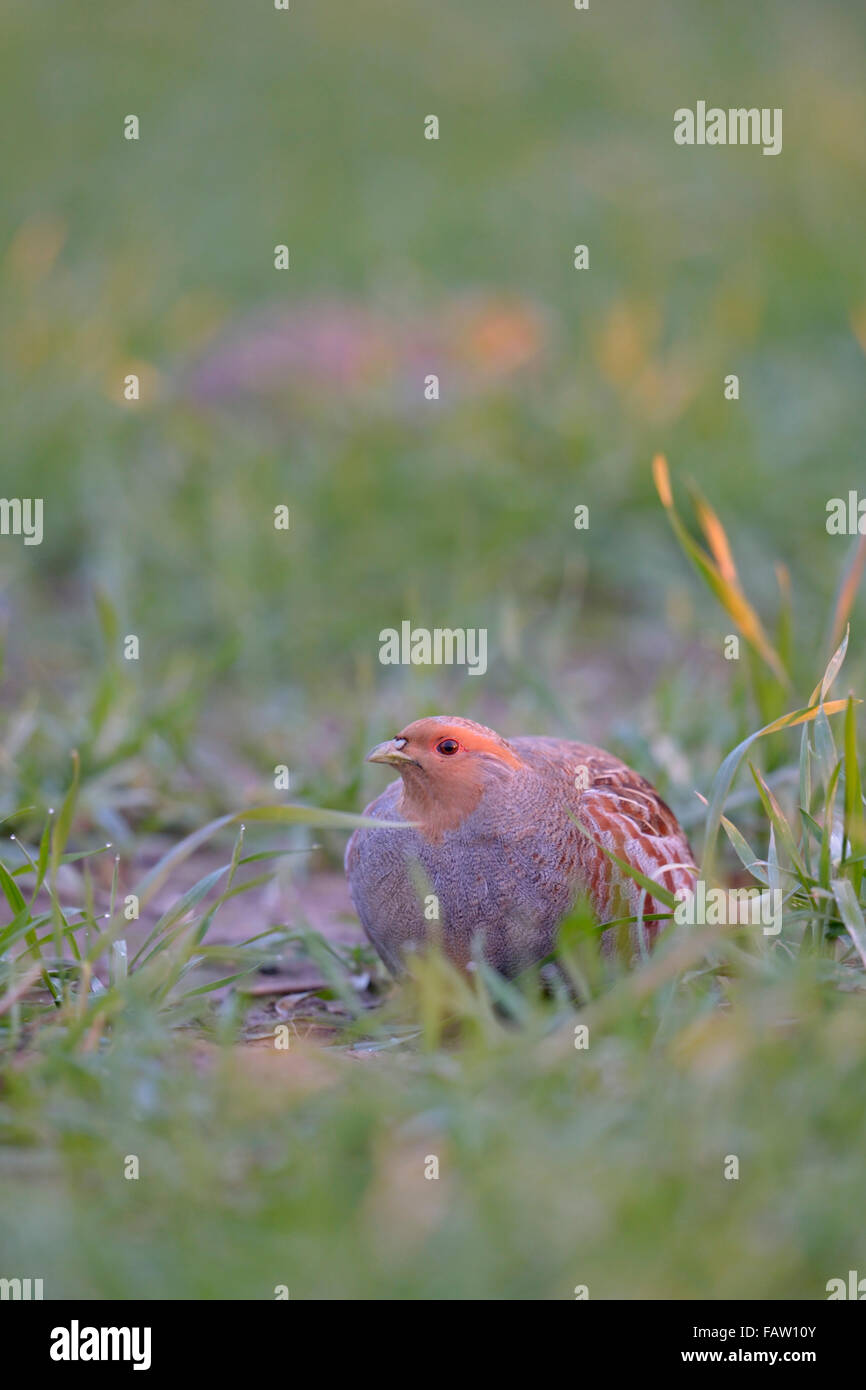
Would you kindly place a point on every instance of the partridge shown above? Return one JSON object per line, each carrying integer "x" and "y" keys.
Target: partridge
{"x": 504, "y": 838}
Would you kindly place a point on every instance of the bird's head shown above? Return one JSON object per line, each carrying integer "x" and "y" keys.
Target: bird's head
{"x": 446, "y": 764}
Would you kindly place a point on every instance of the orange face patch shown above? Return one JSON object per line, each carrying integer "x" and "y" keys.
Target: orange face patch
{"x": 425, "y": 734}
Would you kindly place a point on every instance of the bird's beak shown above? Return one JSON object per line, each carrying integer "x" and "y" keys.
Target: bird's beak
{"x": 390, "y": 752}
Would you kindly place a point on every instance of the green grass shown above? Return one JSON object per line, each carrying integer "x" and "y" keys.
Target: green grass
{"x": 557, "y": 1167}
{"x": 552, "y": 132}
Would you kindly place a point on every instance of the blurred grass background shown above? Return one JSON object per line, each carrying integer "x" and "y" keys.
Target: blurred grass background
{"x": 306, "y": 388}
{"x": 306, "y": 128}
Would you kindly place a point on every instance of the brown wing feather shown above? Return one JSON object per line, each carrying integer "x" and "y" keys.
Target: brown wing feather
{"x": 628, "y": 817}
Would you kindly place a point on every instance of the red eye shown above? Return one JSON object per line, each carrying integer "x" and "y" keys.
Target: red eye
{"x": 447, "y": 746}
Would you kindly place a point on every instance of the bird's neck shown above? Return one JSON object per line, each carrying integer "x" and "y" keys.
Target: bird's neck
{"x": 437, "y": 806}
